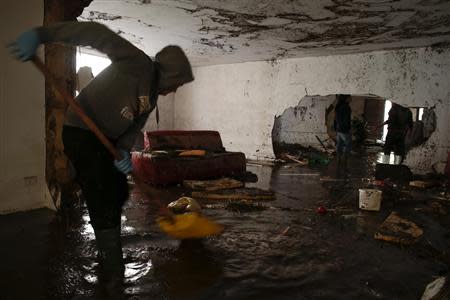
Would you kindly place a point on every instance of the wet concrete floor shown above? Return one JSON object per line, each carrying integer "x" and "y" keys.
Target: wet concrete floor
{"x": 285, "y": 250}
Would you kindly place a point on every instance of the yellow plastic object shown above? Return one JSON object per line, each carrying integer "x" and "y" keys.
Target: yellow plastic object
{"x": 189, "y": 226}
{"x": 193, "y": 153}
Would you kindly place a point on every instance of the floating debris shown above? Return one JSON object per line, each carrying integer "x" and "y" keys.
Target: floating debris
{"x": 398, "y": 230}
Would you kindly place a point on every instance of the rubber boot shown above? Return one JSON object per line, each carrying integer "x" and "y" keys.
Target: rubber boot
{"x": 111, "y": 260}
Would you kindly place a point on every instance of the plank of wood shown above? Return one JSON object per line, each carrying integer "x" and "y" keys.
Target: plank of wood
{"x": 253, "y": 194}
{"x": 213, "y": 185}
{"x": 328, "y": 178}
{"x": 293, "y": 158}
{"x": 423, "y": 184}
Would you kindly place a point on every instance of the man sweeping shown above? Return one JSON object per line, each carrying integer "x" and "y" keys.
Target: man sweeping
{"x": 119, "y": 101}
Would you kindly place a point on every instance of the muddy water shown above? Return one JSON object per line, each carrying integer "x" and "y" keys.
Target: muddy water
{"x": 285, "y": 251}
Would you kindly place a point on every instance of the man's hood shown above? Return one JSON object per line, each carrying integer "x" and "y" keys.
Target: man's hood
{"x": 174, "y": 68}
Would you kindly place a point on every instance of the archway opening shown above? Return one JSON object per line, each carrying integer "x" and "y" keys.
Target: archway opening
{"x": 309, "y": 126}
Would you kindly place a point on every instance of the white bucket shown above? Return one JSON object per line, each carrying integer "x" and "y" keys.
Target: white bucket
{"x": 370, "y": 199}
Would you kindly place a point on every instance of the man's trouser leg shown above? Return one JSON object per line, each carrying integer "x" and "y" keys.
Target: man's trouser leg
{"x": 389, "y": 143}
{"x": 110, "y": 254}
{"x": 343, "y": 148}
{"x": 105, "y": 190}
{"x": 399, "y": 146}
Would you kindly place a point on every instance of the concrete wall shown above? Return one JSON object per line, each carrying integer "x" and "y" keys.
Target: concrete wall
{"x": 22, "y": 116}
{"x": 357, "y": 104}
{"x": 301, "y": 124}
{"x": 166, "y": 114}
{"x": 242, "y": 100}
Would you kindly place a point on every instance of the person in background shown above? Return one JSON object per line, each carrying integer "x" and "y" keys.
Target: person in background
{"x": 119, "y": 101}
{"x": 84, "y": 76}
{"x": 342, "y": 126}
{"x": 399, "y": 122}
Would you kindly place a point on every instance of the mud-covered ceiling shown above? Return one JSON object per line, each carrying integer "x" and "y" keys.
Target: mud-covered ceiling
{"x": 230, "y": 31}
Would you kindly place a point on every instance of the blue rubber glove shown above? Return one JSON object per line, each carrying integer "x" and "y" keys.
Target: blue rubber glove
{"x": 25, "y": 47}
{"x": 125, "y": 166}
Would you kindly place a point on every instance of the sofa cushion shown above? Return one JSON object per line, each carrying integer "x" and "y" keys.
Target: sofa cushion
{"x": 164, "y": 170}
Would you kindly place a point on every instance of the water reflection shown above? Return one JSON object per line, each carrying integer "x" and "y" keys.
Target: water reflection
{"x": 136, "y": 270}
{"x": 91, "y": 278}
{"x": 286, "y": 251}
{"x": 190, "y": 273}
{"x": 86, "y": 229}
{"x": 390, "y": 159}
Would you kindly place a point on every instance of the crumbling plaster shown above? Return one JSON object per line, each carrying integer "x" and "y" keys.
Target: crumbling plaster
{"x": 301, "y": 124}
{"x": 242, "y": 100}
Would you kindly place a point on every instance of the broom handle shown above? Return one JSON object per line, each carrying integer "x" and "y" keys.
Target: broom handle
{"x": 77, "y": 108}
{"x": 103, "y": 139}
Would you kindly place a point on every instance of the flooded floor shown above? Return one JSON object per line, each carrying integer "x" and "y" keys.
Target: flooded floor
{"x": 282, "y": 250}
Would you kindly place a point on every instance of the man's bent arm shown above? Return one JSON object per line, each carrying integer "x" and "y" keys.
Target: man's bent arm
{"x": 91, "y": 34}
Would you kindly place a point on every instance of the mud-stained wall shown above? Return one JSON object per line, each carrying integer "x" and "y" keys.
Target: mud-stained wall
{"x": 241, "y": 100}
{"x": 22, "y": 116}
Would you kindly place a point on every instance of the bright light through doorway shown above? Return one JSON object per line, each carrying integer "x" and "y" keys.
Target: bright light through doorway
{"x": 387, "y": 107}
{"x": 96, "y": 63}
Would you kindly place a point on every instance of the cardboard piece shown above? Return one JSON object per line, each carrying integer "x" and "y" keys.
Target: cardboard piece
{"x": 398, "y": 230}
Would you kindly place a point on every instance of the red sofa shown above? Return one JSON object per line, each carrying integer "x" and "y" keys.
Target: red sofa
{"x": 159, "y": 163}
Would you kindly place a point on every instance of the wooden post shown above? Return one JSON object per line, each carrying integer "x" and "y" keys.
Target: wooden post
{"x": 61, "y": 60}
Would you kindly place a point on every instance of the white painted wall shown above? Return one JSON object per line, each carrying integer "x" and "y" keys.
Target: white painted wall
{"x": 22, "y": 116}
{"x": 166, "y": 113}
{"x": 241, "y": 100}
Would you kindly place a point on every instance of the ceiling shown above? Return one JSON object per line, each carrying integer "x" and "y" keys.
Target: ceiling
{"x": 230, "y": 31}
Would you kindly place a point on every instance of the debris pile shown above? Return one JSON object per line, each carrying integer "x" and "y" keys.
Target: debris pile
{"x": 231, "y": 191}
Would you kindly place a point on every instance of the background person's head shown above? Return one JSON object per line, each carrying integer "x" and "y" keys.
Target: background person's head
{"x": 343, "y": 99}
